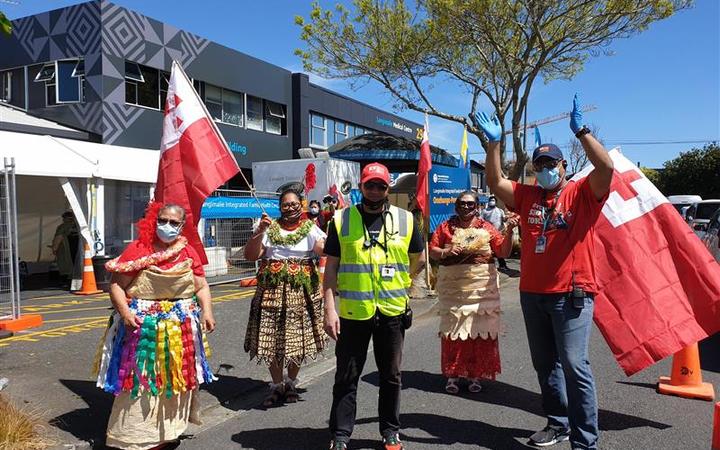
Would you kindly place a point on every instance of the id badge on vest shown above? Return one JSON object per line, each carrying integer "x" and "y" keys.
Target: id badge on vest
{"x": 540, "y": 244}
{"x": 387, "y": 272}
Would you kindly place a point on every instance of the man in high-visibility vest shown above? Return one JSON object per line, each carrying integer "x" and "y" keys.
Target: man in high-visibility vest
{"x": 373, "y": 250}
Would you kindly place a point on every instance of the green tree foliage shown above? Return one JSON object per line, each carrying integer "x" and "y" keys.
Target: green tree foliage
{"x": 491, "y": 49}
{"x": 5, "y": 24}
{"x": 695, "y": 172}
{"x": 652, "y": 175}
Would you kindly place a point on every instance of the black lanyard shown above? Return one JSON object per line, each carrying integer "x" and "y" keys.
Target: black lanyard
{"x": 548, "y": 213}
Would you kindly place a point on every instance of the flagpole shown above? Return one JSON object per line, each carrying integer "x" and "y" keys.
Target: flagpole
{"x": 222, "y": 138}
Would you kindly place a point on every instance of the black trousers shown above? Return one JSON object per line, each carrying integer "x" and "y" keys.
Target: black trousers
{"x": 388, "y": 336}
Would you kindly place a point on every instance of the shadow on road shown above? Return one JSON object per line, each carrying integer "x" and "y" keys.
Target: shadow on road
{"x": 228, "y": 388}
{"x": 295, "y": 438}
{"x": 503, "y": 394}
{"x": 87, "y": 424}
{"x": 447, "y": 431}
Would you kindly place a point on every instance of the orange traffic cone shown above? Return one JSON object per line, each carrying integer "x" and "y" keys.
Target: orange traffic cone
{"x": 686, "y": 378}
{"x": 321, "y": 267}
{"x": 716, "y": 428}
{"x": 248, "y": 282}
{"x": 89, "y": 286}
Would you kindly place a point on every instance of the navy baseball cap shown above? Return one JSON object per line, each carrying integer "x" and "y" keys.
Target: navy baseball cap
{"x": 550, "y": 150}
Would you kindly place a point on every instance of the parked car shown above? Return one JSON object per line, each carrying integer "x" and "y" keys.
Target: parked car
{"x": 712, "y": 236}
{"x": 683, "y": 202}
{"x": 699, "y": 214}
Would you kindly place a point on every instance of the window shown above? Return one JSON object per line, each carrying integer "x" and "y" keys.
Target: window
{"x": 79, "y": 70}
{"x": 132, "y": 72}
{"x": 275, "y": 122}
{"x": 6, "y": 87}
{"x": 143, "y": 85}
{"x": 213, "y": 101}
{"x": 47, "y": 73}
{"x": 254, "y": 113}
{"x": 232, "y": 104}
{"x": 317, "y": 131}
{"x": 341, "y": 131}
{"x": 164, "y": 81}
{"x": 329, "y": 133}
{"x": 68, "y": 87}
{"x": 224, "y": 105}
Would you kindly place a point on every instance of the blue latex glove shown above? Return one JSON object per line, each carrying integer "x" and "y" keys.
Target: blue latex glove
{"x": 576, "y": 116}
{"x": 491, "y": 127}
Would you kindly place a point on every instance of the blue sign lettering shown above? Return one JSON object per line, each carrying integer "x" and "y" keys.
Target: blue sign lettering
{"x": 237, "y": 148}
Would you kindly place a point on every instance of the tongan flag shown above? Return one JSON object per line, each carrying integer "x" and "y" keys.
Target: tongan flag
{"x": 659, "y": 287}
{"x": 194, "y": 159}
{"x": 424, "y": 166}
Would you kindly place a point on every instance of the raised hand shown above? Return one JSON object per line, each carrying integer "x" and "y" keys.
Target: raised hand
{"x": 576, "y": 116}
{"x": 264, "y": 224}
{"x": 490, "y": 126}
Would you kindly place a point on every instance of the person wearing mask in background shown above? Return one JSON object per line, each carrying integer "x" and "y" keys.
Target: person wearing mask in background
{"x": 557, "y": 281}
{"x": 331, "y": 203}
{"x": 373, "y": 249}
{"x": 285, "y": 325}
{"x": 313, "y": 213}
{"x": 65, "y": 247}
{"x": 496, "y": 216}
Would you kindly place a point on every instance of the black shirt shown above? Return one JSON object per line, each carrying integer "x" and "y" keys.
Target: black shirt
{"x": 373, "y": 223}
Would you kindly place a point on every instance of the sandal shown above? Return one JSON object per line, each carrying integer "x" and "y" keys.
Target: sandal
{"x": 291, "y": 394}
{"x": 474, "y": 385}
{"x": 451, "y": 387}
{"x": 276, "y": 395}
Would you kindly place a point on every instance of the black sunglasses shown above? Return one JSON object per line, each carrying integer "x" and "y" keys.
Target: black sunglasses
{"x": 174, "y": 223}
{"x": 376, "y": 186}
{"x": 469, "y": 204}
{"x": 550, "y": 164}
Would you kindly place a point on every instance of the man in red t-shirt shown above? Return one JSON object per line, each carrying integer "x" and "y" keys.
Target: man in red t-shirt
{"x": 557, "y": 275}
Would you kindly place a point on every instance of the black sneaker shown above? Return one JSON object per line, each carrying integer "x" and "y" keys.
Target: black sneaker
{"x": 549, "y": 436}
{"x": 338, "y": 445}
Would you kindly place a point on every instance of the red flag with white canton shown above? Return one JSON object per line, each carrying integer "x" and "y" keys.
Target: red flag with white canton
{"x": 659, "y": 287}
{"x": 424, "y": 166}
{"x": 194, "y": 159}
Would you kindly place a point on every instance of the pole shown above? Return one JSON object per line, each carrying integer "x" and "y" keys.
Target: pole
{"x": 217, "y": 131}
{"x": 522, "y": 174}
{"x": 10, "y": 239}
{"x": 426, "y": 232}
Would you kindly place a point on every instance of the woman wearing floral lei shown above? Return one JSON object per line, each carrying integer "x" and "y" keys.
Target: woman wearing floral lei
{"x": 153, "y": 355}
{"x": 468, "y": 295}
{"x": 285, "y": 327}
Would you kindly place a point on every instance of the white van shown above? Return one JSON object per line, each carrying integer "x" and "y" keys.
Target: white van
{"x": 683, "y": 202}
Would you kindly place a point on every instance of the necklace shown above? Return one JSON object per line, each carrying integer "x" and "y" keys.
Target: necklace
{"x": 291, "y": 239}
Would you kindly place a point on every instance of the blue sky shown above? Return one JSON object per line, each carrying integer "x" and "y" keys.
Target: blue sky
{"x": 660, "y": 86}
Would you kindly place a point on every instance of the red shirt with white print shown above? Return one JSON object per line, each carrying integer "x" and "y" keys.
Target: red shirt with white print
{"x": 569, "y": 248}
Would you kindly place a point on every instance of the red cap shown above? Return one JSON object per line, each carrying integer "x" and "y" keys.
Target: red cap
{"x": 375, "y": 171}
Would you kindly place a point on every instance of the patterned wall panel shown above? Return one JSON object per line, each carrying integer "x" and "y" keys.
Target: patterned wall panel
{"x": 128, "y": 35}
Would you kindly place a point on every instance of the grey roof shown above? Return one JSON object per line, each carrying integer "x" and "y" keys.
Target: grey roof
{"x": 17, "y": 120}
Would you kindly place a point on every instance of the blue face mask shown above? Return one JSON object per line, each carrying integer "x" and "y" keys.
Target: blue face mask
{"x": 548, "y": 179}
{"x": 168, "y": 233}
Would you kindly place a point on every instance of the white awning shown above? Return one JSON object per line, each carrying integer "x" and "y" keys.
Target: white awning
{"x": 56, "y": 157}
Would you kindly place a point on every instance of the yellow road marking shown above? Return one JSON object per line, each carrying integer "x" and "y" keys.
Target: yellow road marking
{"x": 74, "y": 319}
{"x": 93, "y": 323}
{"x": 55, "y": 332}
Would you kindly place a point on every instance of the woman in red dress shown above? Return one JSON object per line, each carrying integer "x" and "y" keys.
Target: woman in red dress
{"x": 468, "y": 295}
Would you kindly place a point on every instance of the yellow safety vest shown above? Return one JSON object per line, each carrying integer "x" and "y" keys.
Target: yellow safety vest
{"x": 361, "y": 286}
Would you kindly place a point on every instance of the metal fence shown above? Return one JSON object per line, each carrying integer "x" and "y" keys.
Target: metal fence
{"x": 9, "y": 267}
{"x": 225, "y": 241}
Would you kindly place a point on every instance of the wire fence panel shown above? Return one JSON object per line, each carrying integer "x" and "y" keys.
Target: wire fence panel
{"x": 225, "y": 241}
{"x": 9, "y": 270}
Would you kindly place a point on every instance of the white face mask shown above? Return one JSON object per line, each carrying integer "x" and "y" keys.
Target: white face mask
{"x": 491, "y": 204}
{"x": 314, "y": 210}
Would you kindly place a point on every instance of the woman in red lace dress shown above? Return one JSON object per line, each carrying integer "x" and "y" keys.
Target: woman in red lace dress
{"x": 468, "y": 295}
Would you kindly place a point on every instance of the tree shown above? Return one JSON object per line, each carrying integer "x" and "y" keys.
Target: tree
{"x": 652, "y": 175}
{"x": 694, "y": 172}
{"x": 577, "y": 158}
{"x": 491, "y": 49}
{"x": 5, "y": 24}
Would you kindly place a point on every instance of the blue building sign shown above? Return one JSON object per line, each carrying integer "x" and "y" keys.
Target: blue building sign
{"x": 446, "y": 183}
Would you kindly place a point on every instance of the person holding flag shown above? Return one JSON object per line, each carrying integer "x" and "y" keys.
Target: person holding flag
{"x": 372, "y": 249}
{"x": 557, "y": 282}
{"x": 153, "y": 355}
